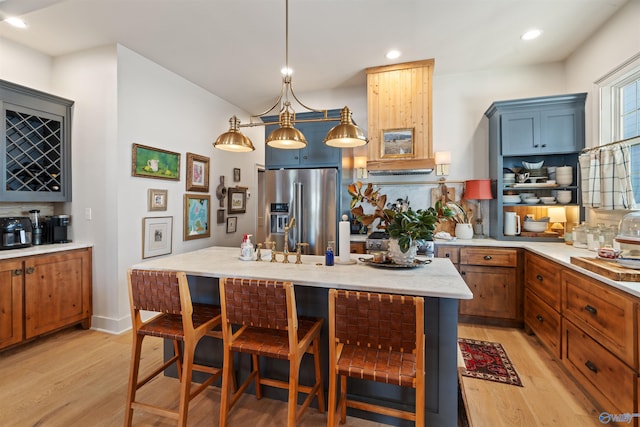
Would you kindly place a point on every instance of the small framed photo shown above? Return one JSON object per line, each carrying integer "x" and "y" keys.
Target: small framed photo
{"x": 232, "y": 223}
{"x": 197, "y": 216}
{"x": 236, "y": 174}
{"x": 150, "y": 162}
{"x": 220, "y": 216}
{"x": 237, "y": 200}
{"x": 197, "y": 173}
{"x": 157, "y": 200}
{"x": 157, "y": 234}
{"x": 397, "y": 143}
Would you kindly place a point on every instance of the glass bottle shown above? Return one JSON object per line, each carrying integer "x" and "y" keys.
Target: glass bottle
{"x": 580, "y": 236}
{"x": 328, "y": 256}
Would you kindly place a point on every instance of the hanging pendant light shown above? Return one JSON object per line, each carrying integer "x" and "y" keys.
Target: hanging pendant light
{"x": 286, "y": 136}
{"x": 344, "y": 135}
{"x": 234, "y": 140}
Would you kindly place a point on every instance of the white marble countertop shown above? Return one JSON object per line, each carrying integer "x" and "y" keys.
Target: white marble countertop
{"x": 42, "y": 249}
{"x": 559, "y": 252}
{"x": 438, "y": 279}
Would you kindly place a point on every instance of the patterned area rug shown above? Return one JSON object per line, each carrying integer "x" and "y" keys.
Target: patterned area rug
{"x": 488, "y": 361}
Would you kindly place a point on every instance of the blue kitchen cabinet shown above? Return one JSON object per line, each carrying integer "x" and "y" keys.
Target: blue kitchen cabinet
{"x": 35, "y": 153}
{"x": 315, "y": 154}
{"x": 547, "y": 125}
{"x": 549, "y": 129}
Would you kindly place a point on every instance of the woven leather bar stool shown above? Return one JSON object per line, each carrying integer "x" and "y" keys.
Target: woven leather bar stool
{"x": 180, "y": 321}
{"x": 266, "y": 312}
{"x": 376, "y": 337}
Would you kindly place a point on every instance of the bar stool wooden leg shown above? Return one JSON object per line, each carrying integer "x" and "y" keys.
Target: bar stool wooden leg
{"x": 255, "y": 359}
{"x": 316, "y": 360}
{"x": 133, "y": 377}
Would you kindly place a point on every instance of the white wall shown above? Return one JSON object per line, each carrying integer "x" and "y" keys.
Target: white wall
{"x": 24, "y": 66}
{"x": 94, "y": 167}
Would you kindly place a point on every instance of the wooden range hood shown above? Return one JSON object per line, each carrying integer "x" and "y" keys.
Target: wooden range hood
{"x": 399, "y": 105}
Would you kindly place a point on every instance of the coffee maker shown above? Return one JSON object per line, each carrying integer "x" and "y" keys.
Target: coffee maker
{"x": 15, "y": 232}
{"x": 55, "y": 229}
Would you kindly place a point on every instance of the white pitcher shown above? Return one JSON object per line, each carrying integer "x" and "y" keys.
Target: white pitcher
{"x": 511, "y": 224}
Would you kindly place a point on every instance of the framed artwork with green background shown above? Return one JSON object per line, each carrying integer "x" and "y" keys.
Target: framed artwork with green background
{"x": 149, "y": 162}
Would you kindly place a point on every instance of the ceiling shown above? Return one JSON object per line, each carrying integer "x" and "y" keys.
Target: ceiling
{"x": 236, "y": 48}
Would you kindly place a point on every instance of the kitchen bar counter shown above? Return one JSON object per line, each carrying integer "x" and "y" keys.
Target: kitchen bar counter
{"x": 42, "y": 249}
{"x": 438, "y": 279}
{"x": 439, "y": 282}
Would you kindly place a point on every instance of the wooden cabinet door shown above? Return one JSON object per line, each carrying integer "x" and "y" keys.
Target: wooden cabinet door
{"x": 57, "y": 291}
{"x": 11, "y": 277}
{"x": 494, "y": 292}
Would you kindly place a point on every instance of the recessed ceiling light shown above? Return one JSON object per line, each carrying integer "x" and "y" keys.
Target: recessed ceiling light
{"x": 16, "y": 22}
{"x": 393, "y": 54}
{"x": 531, "y": 34}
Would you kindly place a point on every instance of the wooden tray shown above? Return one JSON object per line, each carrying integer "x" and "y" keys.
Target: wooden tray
{"x": 538, "y": 234}
{"x": 608, "y": 269}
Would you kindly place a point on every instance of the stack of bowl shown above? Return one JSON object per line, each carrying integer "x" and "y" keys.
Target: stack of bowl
{"x": 564, "y": 175}
{"x": 509, "y": 178}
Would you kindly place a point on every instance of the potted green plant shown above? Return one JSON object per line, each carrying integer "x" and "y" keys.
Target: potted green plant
{"x": 405, "y": 228}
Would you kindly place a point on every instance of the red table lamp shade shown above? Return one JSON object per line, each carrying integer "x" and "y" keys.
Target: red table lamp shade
{"x": 478, "y": 189}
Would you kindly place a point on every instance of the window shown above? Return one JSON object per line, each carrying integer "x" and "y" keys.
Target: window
{"x": 620, "y": 112}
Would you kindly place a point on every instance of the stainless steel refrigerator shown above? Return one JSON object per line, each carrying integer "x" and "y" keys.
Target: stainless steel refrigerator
{"x": 309, "y": 196}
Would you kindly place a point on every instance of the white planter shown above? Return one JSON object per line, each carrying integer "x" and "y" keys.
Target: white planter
{"x": 400, "y": 257}
{"x": 464, "y": 231}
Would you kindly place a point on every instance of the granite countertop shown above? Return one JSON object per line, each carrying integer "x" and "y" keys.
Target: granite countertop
{"x": 42, "y": 249}
{"x": 437, "y": 279}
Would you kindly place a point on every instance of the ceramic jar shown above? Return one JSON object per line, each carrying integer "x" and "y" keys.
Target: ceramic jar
{"x": 464, "y": 231}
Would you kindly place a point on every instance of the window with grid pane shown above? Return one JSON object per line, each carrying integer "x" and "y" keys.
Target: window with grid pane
{"x": 620, "y": 112}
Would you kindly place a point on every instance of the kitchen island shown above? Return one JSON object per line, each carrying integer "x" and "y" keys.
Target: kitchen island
{"x": 439, "y": 282}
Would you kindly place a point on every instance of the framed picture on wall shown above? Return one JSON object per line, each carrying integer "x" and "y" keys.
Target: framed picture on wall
{"x": 220, "y": 216}
{"x": 197, "y": 216}
{"x": 397, "y": 143}
{"x": 232, "y": 223}
{"x": 197, "y": 173}
{"x": 236, "y": 174}
{"x": 157, "y": 199}
{"x": 157, "y": 235}
{"x": 149, "y": 162}
{"x": 237, "y": 200}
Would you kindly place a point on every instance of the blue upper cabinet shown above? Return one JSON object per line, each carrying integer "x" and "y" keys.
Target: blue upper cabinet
{"x": 35, "y": 147}
{"x": 546, "y": 125}
{"x": 315, "y": 154}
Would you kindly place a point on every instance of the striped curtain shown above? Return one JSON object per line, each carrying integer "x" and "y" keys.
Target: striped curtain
{"x": 606, "y": 178}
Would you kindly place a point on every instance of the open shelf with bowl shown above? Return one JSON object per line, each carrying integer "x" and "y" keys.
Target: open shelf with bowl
{"x": 534, "y": 146}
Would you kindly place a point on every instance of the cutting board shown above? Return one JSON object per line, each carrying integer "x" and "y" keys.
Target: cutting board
{"x": 436, "y": 194}
{"x": 608, "y": 269}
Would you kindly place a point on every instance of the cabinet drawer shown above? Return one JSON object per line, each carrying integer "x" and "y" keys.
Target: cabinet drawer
{"x": 358, "y": 247}
{"x": 605, "y": 314}
{"x": 543, "y": 278}
{"x": 489, "y": 256}
{"x": 544, "y": 321}
{"x": 606, "y": 378}
{"x": 451, "y": 252}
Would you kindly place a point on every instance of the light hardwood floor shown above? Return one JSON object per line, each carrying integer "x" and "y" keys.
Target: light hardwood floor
{"x": 547, "y": 398}
{"x": 78, "y": 378}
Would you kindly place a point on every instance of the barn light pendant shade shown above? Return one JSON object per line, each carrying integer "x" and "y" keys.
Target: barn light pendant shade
{"x": 234, "y": 140}
{"x": 344, "y": 135}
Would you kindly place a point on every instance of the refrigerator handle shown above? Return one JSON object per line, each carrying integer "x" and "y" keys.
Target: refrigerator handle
{"x": 299, "y": 192}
